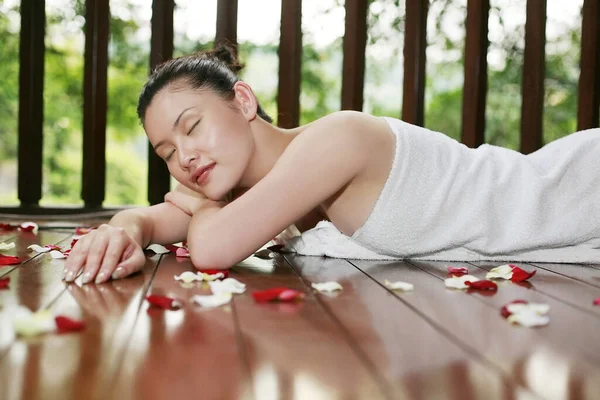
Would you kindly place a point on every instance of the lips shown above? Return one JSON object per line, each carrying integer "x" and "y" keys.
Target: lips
{"x": 201, "y": 173}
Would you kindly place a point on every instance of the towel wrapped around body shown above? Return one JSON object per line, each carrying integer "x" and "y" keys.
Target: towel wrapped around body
{"x": 445, "y": 201}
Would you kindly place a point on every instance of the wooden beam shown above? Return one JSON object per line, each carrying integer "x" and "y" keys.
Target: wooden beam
{"x": 161, "y": 49}
{"x": 97, "y": 17}
{"x": 31, "y": 102}
{"x": 227, "y": 13}
{"x": 475, "y": 86}
{"x": 415, "y": 44}
{"x": 532, "y": 107}
{"x": 589, "y": 78}
{"x": 290, "y": 64}
{"x": 355, "y": 42}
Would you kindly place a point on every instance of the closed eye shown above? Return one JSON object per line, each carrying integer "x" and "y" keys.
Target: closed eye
{"x": 167, "y": 158}
{"x": 193, "y": 126}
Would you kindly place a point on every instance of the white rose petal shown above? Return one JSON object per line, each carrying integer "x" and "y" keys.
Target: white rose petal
{"x": 501, "y": 272}
{"x": 529, "y": 318}
{"x": 212, "y": 277}
{"x": 39, "y": 249}
{"x": 458, "y": 282}
{"x": 7, "y": 246}
{"x": 57, "y": 254}
{"x": 399, "y": 285}
{"x": 536, "y": 308}
{"x": 188, "y": 277}
{"x": 212, "y": 300}
{"x": 228, "y": 285}
{"x": 25, "y": 225}
{"x": 158, "y": 249}
{"x": 26, "y": 323}
{"x": 327, "y": 286}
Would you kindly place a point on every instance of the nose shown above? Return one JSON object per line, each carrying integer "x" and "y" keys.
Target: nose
{"x": 187, "y": 159}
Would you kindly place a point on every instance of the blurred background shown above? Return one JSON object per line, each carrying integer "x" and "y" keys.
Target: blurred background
{"x": 258, "y": 37}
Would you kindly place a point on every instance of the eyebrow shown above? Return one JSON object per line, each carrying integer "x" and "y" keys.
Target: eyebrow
{"x": 175, "y": 125}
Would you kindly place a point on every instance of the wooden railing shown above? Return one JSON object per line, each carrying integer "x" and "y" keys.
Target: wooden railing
{"x": 288, "y": 99}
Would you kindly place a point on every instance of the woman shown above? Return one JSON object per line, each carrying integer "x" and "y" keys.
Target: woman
{"x": 396, "y": 188}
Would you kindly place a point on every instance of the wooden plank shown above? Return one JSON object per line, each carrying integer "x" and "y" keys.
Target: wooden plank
{"x": 473, "y": 319}
{"x": 587, "y": 274}
{"x": 589, "y": 76}
{"x": 296, "y": 347}
{"x": 97, "y": 17}
{"x": 355, "y": 42}
{"x": 532, "y": 107}
{"x": 475, "y": 86}
{"x": 227, "y": 14}
{"x": 161, "y": 49}
{"x": 189, "y": 353}
{"x": 290, "y": 64}
{"x": 415, "y": 44}
{"x": 415, "y": 357}
{"x": 31, "y": 102}
{"x": 558, "y": 335}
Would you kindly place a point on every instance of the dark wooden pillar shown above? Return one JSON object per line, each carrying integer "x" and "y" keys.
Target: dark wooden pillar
{"x": 31, "y": 102}
{"x": 415, "y": 44}
{"x": 290, "y": 64}
{"x": 355, "y": 42}
{"x": 227, "y": 12}
{"x": 589, "y": 78}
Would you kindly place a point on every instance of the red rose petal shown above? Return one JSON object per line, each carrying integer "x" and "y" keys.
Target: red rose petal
{"x": 482, "y": 285}
{"x": 4, "y": 283}
{"x": 182, "y": 252}
{"x": 73, "y": 242}
{"x": 7, "y": 227}
{"x": 66, "y": 324}
{"x": 520, "y": 275}
{"x": 225, "y": 272}
{"x": 504, "y": 310}
{"x": 597, "y": 301}
{"x": 278, "y": 293}
{"x": 163, "y": 302}
{"x": 9, "y": 260}
{"x": 458, "y": 271}
{"x": 172, "y": 248}
{"x": 27, "y": 227}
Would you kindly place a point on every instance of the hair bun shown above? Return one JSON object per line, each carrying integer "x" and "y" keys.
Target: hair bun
{"x": 227, "y": 54}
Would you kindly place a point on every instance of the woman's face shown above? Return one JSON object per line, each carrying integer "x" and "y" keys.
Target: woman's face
{"x": 195, "y": 129}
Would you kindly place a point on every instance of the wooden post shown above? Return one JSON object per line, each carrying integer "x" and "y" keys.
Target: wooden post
{"x": 415, "y": 44}
{"x": 290, "y": 64}
{"x": 355, "y": 42}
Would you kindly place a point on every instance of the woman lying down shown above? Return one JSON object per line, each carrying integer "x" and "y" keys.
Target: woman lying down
{"x": 394, "y": 188}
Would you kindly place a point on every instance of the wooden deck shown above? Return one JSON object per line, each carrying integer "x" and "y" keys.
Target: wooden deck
{"x": 366, "y": 342}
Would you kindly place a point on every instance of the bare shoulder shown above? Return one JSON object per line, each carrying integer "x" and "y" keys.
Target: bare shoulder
{"x": 347, "y": 125}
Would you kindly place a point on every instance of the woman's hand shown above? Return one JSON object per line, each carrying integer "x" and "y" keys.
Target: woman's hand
{"x": 102, "y": 253}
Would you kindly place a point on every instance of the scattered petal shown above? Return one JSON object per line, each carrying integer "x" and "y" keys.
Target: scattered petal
{"x": 4, "y": 282}
{"x": 75, "y": 240}
{"x": 482, "y": 285}
{"x": 504, "y": 310}
{"x": 57, "y": 254}
{"x": 7, "y": 227}
{"x": 214, "y": 300}
{"x": 326, "y": 286}
{"x": 163, "y": 302}
{"x": 528, "y": 319}
{"x": 458, "y": 271}
{"x": 597, "y": 301}
{"x": 26, "y": 323}
{"x": 7, "y": 246}
{"x": 539, "y": 308}
{"x": 279, "y": 293}
{"x": 172, "y": 248}
{"x": 39, "y": 249}
{"x": 525, "y": 313}
{"x": 228, "y": 285}
{"x": 182, "y": 252}
{"x": 399, "y": 285}
{"x": 458, "y": 282}
{"x": 9, "y": 260}
{"x": 520, "y": 275}
{"x": 188, "y": 277}
{"x": 29, "y": 227}
{"x": 212, "y": 277}
{"x": 83, "y": 231}
{"x": 66, "y": 324}
{"x": 501, "y": 272}
{"x": 158, "y": 249}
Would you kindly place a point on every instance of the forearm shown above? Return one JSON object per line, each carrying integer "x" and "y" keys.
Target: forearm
{"x": 198, "y": 231}
{"x": 135, "y": 224}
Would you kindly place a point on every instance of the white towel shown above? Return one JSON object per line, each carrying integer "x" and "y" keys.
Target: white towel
{"x": 326, "y": 240}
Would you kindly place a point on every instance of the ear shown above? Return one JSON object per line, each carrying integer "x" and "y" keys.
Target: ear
{"x": 246, "y": 100}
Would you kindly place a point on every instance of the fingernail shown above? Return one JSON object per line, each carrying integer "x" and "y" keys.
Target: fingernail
{"x": 100, "y": 277}
{"x": 70, "y": 276}
{"x": 118, "y": 274}
{"x": 87, "y": 277}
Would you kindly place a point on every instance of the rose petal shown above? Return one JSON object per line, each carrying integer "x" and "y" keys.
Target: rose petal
{"x": 212, "y": 277}
{"x": 537, "y": 308}
{"x": 182, "y": 252}
{"x": 9, "y": 260}
{"x": 7, "y": 227}
{"x": 482, "y": 285}
{"x": 458, "y": 282}
{"x": 399, "y": 285}
{"x": 158, "y": 249}
{"x": 278, "y": 293}
{"x": 597, "y": 301}
{"x": 528, "y": 319}
{"x": 66, "y": 324}
{"x": 326, "y": 286}
{"x": 73, "y": 242}
{"x": 7, "y": 246}
{"x": 39, "y": 249}
{"x": 4, "y": 282}
{"x": 458, "y": 271}
{"x": 214, "y": 300}
{"x": 502, "y": 272}
{"x": 57, "y": 254}
{"x": 520, "y": 275}
{"x": 163, "y": 302}
{"x": 29, "y": 227}
{"x": 228, "y": 285}
{"x": 188, "y": 277}
{"x": 26, "y": 323}
{"x": 172, "y": 248}
{"x": 504, "y": 310}
{"x": 83, "y": 231}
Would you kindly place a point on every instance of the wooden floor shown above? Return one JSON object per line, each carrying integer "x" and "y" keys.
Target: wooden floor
{"x": 364, "y": 343}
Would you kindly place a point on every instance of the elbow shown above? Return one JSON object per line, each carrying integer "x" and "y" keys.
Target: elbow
{"x": 205, "y": 258}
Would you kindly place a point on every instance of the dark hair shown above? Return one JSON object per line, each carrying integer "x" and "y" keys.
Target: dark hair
{"x": 215, "y": 69}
